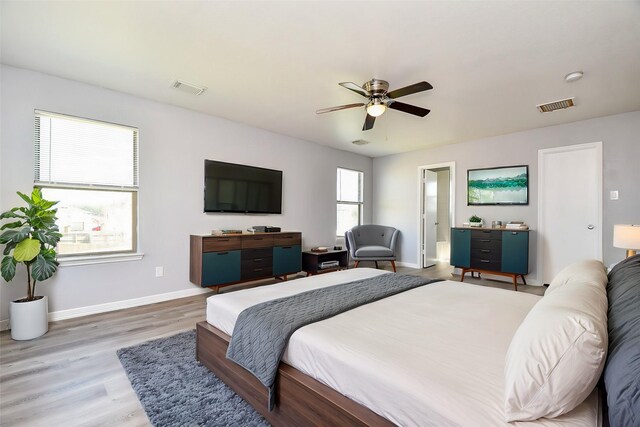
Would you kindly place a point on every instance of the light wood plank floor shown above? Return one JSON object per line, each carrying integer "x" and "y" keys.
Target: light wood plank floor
{"x": 72, "y": 376}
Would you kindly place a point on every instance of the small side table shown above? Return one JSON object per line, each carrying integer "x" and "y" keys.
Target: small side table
{"x": 312, "y": 261}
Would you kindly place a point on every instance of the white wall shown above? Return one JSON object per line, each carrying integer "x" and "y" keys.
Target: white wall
{"x": 396, "y": 178}
{"x": 173, "y": 145}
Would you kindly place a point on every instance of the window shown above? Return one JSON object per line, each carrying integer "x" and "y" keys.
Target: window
{"x": 350, "y": 201}
{"x": 91, "y": 168}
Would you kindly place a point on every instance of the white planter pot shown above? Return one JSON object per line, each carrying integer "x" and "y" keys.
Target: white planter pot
{"x": 29, "y": 320}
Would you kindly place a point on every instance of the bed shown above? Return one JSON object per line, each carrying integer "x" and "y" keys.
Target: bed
{"x": 434, "y": 355}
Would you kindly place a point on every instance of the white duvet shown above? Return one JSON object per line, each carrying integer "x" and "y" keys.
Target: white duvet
{"x": 432, "y": 356}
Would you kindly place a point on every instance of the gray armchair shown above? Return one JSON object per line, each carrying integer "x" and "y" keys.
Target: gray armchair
{"x": 372, "y": 243}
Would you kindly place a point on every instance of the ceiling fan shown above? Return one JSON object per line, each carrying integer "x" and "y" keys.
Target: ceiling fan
{"x": 380, "y": 99}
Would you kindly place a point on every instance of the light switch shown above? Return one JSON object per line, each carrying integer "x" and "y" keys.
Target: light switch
{"x": 613, "y": 195}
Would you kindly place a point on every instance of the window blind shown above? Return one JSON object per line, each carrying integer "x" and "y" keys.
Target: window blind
{"x": 82, "y": 152}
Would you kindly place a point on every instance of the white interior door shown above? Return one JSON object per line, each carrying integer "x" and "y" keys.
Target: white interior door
{"x": 431, "y": 218}
{"x": 569, "y": 207}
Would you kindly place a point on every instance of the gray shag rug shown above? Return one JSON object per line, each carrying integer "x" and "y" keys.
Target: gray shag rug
{"x": 176, "y": 390}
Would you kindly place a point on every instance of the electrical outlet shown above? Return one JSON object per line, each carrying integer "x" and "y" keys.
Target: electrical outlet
{"x": 159, "y": 271}
{"x": 613, "y": 195}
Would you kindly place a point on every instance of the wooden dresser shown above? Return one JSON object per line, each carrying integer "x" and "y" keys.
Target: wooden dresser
{"x": 217, "y": 261}
{"x": 491, "y": 250}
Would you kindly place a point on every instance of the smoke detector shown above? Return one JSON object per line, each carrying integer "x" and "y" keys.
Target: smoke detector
{"x": 188, "y": 87}
{"x": 360, "y": 142}
{"x": 562, "y": 104}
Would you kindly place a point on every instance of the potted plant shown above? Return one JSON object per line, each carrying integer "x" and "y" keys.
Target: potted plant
{"x": 475, "y": 221}
{"x": 30, "y": 239}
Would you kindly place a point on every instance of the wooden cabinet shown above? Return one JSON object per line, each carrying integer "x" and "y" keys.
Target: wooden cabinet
{"x": 217, "y": 261}
{"x": 312, "y": 261}
{"x": 494, "y": 251}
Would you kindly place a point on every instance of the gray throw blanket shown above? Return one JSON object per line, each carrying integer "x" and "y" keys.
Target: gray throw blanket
{"x": 262, "y": 331}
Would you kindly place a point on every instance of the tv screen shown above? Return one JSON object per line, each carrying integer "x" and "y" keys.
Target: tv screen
{"x": 508, "y": 185}
{"x": 229, "y": 187}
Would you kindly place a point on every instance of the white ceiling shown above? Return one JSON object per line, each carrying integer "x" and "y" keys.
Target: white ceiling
{"x": 271, "y": 64}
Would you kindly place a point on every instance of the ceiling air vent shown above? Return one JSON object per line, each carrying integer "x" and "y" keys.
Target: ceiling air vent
{"x": 360, "y": 142}
{"x": 188, "y": 87}
{"x": 556, "y": 105}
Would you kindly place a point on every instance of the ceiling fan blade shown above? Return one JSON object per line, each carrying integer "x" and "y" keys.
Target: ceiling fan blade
{"x": 340, "y": 107}
{"x": 406, "y": 108}
{"x": 354, "y": 87}
{"x": 408, "y": 90}
{"x": 368, "y": 122}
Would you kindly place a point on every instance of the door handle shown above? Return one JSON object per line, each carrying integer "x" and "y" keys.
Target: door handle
{"x": 590, "y": 227}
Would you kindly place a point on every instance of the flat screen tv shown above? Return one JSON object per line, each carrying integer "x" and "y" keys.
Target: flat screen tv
{"x": 506, "y": 185}
{"x": 230, "y": 187}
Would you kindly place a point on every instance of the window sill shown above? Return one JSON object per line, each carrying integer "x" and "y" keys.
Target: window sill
{"x": 98, "y": 259}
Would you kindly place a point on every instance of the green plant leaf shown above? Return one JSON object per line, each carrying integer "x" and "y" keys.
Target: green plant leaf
{"x": 12, "y": 214}
{"x": 21, "y": 234}
{"x": 15, "y": 224}
{"x": 36, "y": 196}
{"x": 8, "y": 248}
{"x": 43, "y": 268}
{"x": 25, "y": 198}
{"x": 49, "y": 237}
{"x": 8, "y": 236}
{"x": 8, "y": 268}
{"x": 26, "y": 250}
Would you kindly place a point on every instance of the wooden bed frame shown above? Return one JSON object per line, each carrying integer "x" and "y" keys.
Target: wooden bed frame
{"x": 301, "y": 400}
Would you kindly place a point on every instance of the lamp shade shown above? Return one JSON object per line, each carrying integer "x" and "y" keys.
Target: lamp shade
{"x": 626, "y": 236}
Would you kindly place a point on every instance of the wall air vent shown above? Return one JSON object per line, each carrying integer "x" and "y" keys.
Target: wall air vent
{"x": 556, "y": 105}
{"x": 188, "y": 87}
{"x": 360, "y": 142}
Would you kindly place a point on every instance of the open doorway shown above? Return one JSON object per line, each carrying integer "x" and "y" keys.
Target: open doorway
{"x": 436, "y": 212}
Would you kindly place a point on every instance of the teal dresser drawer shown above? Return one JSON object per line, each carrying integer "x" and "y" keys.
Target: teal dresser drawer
{"x": 515, "y": 252}
{"x": 460, "y": 247}
{"x": 287, "y": 259}
{"x": 220, "y": 267}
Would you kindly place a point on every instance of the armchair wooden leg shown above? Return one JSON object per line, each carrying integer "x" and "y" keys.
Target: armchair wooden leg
{"x": 356, "y": 264}
{"x": 393, "y": 265}
{"x": 376, "y": 263}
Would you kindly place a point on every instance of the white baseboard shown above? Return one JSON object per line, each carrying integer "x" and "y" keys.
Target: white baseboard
{"x": 407, "y": 264}
{"x": 117, "y": 305}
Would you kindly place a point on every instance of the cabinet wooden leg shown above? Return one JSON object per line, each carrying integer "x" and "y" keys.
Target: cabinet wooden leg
{"x": 515, "y": 282}
{"x": 524, "y": 282}
{"x": 462, "y": 275}
{"x": 393, "y": 265}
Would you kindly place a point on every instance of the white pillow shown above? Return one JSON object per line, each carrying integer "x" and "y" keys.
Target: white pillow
{"x": 557, "y": 354}
{"x": 588, "y": 271}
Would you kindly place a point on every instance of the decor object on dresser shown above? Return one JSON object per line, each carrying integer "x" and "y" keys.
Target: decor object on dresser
{"x": 627, "y": 236}
{"x": 217, "y": 261}
{"x": 507, "y": 185}
{"x": 493, "y": 251}
{"x": 315, "y": 262}
{"x": 475, "y": 221}
{"x": 372, "y": 243}
{"x": 30, "y": 239}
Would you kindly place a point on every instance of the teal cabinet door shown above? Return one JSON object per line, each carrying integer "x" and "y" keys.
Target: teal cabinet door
{"x": 287, "y": 259}
{"x": 515, "y": 252}
{"x": 460, "y": 247}
{"x": 220, "y": 267}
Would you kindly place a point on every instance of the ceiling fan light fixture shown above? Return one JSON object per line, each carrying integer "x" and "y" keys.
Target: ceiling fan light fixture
{"x": 376, "y": 108}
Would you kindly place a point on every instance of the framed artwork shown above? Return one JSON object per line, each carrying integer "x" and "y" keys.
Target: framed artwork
{"x": 505, "y": 185}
